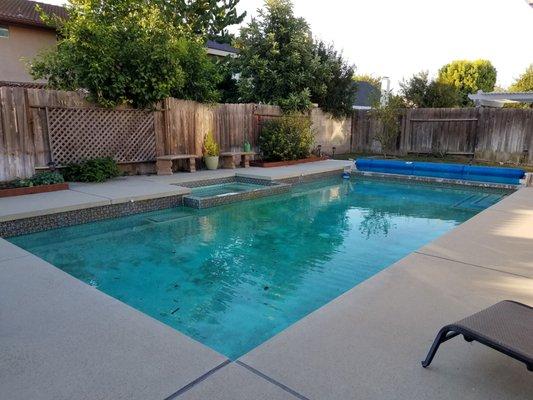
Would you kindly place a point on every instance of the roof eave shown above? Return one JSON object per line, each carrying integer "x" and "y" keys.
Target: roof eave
{"x": 25, "y": 22}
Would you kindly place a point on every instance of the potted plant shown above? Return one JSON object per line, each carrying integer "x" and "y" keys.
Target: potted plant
{"x": 247, "y": 148}
{"x": 211, "y": 152}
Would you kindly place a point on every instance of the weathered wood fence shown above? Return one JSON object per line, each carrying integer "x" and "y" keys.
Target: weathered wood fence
{"x": 40, "y": 126}
{"x": 487, "y": 133}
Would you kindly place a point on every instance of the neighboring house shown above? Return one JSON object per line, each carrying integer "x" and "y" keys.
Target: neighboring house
{"x": 220, "y": 49}
{"x": 366, "y": 95}
{"x": 23, "y": 35}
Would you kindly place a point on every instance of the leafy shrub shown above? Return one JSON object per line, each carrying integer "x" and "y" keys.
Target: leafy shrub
{"x": 211, "y": 148}
{"x": 389, "y": 114}
{"x": 286, "y": 138}
{"x": 39, "y": 179}
{"x": 47, "y": 178}
{"x": 94, "y": 170}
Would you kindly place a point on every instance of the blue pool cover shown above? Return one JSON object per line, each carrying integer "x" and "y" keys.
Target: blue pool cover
{"x": 441, "y": 170}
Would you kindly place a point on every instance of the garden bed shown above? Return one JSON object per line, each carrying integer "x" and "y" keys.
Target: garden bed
{"x": 270, "y": 164}
{"x": 20, "y": 191}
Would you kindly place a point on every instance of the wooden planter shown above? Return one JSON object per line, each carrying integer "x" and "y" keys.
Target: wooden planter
{"x": 33, "y": 189}
{"x": 270, "y": 164}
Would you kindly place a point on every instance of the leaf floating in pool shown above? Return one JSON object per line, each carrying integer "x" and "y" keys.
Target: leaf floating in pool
{"x": 173, "y": 312}
{"x": 266, "y": 288}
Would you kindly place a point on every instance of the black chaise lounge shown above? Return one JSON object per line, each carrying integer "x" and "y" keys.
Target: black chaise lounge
{"x": 506, "y": 326}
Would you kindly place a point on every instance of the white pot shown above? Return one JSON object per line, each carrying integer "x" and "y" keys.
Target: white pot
{"x": 211, "y": 162}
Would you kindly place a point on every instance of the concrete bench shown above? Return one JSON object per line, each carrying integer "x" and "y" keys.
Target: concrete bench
{"x": 164, "y": 163}
{"x": 228, "y": 159}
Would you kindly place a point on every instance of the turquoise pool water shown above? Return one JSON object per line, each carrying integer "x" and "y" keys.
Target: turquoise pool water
{"x": 231, "y": 277}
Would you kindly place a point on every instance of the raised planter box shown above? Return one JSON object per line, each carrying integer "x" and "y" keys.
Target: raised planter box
{"x": 270, "y": 164}
{"x": 33, "y": 189}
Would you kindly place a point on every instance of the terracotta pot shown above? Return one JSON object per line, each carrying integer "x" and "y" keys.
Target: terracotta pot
{"x": 211, "y": 162}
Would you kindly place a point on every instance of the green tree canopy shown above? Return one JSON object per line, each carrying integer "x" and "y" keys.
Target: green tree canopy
{"x": 419, "y": 92}
{"x": 469, "y": 77}
{"x": 279, "y": 63}
{"x": 208, "y": 18}
{"x": 125, "y": 51}
{"x": 276, "y": 60}
{"x": 334, "y": 90}
{"x": 524, "y": 83}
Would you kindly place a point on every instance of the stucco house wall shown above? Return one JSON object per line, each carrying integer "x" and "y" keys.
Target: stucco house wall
{"x": 22, "y": 43}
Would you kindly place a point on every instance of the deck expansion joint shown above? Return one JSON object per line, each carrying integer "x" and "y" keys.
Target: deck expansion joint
{"x": 272, "y": 380}
{"x": 195, "y": 382}
{"x": 473, "y": 265}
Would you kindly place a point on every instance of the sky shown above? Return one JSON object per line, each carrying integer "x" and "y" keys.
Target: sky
{"x": 400, "y": 38}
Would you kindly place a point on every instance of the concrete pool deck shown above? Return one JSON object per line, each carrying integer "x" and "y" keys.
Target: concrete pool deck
{"x": 142, "y": 187}
{"x": 63, "y": 339}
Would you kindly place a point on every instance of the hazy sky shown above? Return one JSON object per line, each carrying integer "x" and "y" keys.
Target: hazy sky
{"x": 399, "y": 38}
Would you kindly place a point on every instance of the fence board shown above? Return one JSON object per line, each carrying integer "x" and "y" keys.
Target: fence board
{"x": 17, "y": 147}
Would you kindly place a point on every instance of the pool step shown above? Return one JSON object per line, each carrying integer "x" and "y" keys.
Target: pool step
{"x": 479, "y": 201}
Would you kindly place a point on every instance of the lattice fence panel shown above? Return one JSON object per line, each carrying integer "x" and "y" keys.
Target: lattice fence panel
{"x": 77, "y": 134}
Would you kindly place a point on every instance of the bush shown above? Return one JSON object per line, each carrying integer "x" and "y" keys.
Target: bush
{"x": 211, "y": 148}
{"x": 286, "y": 138}
{"x": 39, "y": 179}
{"x": 47, "y": 178}
{"x": 94, "y": 170}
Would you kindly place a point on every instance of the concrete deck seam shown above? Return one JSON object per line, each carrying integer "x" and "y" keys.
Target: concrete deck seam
{"x": 273, "y": 381}
{"x": 195, "y": 382}
{"x": 91, "y": 194}
{"x": 473, "y": 265}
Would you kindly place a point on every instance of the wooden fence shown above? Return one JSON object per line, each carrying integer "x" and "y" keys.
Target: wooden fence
{"x": 490, "y": 134}
{"x": 31, "y": 120}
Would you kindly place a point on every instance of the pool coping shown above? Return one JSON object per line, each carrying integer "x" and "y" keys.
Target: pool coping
{"x": 262, "y": 367}
{"x": 268, "y": 188}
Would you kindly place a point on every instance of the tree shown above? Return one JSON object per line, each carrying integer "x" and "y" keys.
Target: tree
{"x": 524, "y": 83}
{"x": 469, "y": 77}
{"x": 388, "y": 114}
{"x": 279, "y": 63}
{"x": 276, "y": 59}
{"x": 207, "y": 18}
{"x": 335, "y": 89}
{"x": 124, "y": 51}
{"x": 419, "y": 92}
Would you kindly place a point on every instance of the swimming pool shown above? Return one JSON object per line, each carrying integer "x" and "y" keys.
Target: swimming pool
{"x": 233, "y": 276}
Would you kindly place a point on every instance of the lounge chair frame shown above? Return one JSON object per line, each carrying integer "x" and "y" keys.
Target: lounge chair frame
{"x": 450, "y": 331}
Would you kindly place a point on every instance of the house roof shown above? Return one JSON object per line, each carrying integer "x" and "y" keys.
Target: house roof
{"x": 223, "y": 47}
{"x": 24, "y": 12}
{"x": 366, "y": 95}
